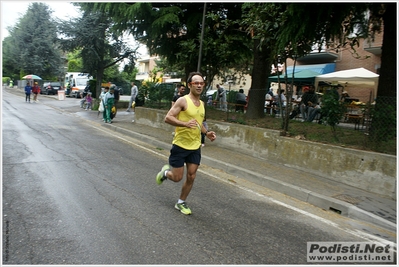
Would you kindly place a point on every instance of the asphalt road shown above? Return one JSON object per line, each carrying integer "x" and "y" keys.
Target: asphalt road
{"x": 75, "y": 193}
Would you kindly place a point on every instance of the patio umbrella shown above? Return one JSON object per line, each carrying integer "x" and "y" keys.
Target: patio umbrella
{"x": 31, "y": 77}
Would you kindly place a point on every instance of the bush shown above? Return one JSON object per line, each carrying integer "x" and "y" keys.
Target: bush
{"x": 159, "y": 95}
{"x": 332, "y": 110}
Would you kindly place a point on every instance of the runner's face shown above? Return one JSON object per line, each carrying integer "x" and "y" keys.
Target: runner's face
{"x": 197, "y": 85}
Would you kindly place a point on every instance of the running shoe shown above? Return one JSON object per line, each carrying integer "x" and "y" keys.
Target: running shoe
{"x": 183, "y": 208}
{"x": 161, "y": 175}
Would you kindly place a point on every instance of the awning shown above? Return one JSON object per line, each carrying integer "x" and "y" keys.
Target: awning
{"x": 360, "y": 76}
{"x": 300, "y": 77}
{"x": 319, "y": 68}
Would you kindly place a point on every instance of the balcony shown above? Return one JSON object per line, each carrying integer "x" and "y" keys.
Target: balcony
{"x": 372, "y": 47}
{"x": 318, "y": 57}
{"x": 140, "y": 76}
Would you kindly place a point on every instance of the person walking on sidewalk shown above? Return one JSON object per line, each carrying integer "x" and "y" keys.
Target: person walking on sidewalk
{"x": 133, "y": 96}
{"x": 35, "y": 91}
{"x": 187, "y": 114}
{"x": 108, "y": 104}
{"x": 180, "y": 92}
{"x": 101, "y": 107}
{"x": 28, "y": 91}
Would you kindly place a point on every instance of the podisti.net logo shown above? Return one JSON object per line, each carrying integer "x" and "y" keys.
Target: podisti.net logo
{"x": 370, "y": 252}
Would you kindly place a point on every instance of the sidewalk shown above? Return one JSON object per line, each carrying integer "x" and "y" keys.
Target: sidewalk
{"x": 318, "y": 191}
{"x": 329, "y": 195}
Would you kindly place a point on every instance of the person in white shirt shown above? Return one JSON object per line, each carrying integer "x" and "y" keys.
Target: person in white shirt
{"x": 133, "y": 96}
{"x": 280, "y": 100}
{"x": 222, "y": 97}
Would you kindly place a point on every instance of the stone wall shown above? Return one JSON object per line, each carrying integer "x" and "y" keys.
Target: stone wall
{"x": 373, "y": 172}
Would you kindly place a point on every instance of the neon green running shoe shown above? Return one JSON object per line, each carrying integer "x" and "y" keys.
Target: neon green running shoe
{"x": 161, "y": 175}
{"x": 183, "y": 208}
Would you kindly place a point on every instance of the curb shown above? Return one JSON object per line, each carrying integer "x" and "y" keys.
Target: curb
{"x": 318, "y": 200}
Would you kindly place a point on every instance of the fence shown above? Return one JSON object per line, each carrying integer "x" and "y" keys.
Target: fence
{"x": 369, "y": 126}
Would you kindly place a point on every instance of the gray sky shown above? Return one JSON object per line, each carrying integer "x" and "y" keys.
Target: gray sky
{"x": 11, "y": 11}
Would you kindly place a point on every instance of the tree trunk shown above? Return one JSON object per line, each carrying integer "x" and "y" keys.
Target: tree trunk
{"x": 99, "y": 79}
{"x": 260, "y": 73}
{"x": 387, "y": 80}
{"x": 383, "y": 124}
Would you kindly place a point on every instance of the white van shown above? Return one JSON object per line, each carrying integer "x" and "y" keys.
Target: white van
{"x": 77, "y": 81}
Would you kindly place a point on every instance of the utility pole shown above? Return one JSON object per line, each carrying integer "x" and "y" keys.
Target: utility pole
{"x": 202, "y": 38}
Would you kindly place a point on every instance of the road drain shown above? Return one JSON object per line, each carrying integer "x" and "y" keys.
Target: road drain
{"x": 335, "y": 210}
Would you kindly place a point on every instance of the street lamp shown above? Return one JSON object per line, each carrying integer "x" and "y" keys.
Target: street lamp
{"x": 202, "y": 38}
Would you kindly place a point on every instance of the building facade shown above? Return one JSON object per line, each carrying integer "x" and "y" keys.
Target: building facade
{"x": 367, "y": 55}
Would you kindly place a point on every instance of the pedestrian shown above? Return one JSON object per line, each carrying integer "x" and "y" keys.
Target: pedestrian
{"x": 28, "y": 91}
{"x": 187, "y": 115}
{"x": 101, "y": 108}
{"x": 116, "y": 93}
{"x": 84, "y": 94}
{"x": 68, "y": 89}
{"x": 203, "y": 135}
{"x": 36, "y": 91}
{"x": 108, "y": 104}
{"x": 345, "y": 97}
{"x": 89, "y": 100}
{"x": 281, "y": 101}
{"x": 222, "y": 97}
{"x": 180, "y": 92}
{"x": 133, "y": 95}
{"x": 241, "y": 100}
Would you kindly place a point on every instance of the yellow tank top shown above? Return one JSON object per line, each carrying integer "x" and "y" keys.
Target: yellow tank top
{"x": 190, "y": 138}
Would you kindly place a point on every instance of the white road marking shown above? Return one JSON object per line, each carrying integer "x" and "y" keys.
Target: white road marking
{"x": 357, "y": 233}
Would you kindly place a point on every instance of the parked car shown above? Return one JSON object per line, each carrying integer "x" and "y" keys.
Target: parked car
{"x": 51, "y": 88}
{"x": 210, "y": 92}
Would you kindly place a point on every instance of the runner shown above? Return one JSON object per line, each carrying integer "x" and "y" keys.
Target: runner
{"x": 187, "y": 114}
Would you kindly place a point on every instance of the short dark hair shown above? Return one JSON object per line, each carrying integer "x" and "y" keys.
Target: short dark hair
{"x": 241, "y": 90}
{"x": 190, "y": 76}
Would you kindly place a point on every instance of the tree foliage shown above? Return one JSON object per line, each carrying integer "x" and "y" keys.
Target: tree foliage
{"x": 98, "y": 46}
{"x": 32, "y": 46}
{"x": 173, "y": 31}
{"x": 291, "y": 30}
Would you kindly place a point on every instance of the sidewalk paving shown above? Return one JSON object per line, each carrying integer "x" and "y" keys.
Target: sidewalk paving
{"x": 327, "y": 194}
{"x": 318, "y": 191}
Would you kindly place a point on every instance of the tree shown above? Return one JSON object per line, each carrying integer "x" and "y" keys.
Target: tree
{"x": 98, "y": 46}
{"x": 332, "y": 24}
{"x": 10, "y": 58}
{"x": 32, "y": 45}
{"x": 172, "y": 31}
{"x": 384, "y": 118}
{"x": 292, "y": 29}
{"x": 75, "y": 63}
{"x": 261, "y": 22}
